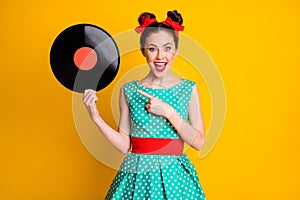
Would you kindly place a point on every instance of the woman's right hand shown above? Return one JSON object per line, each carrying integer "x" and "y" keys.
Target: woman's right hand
{"x": 89, "y": 100}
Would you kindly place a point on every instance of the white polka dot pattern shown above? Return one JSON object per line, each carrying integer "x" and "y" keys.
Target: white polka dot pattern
{"x": 146, "y": 176}
{"x": 145, "y": 124}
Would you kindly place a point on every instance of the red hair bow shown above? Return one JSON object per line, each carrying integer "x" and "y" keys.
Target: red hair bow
{"x": 174, "y": 25}
{"x": 146, "y": 21}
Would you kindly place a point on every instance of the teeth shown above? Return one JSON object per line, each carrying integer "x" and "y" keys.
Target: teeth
{"x": 160, "y": 64}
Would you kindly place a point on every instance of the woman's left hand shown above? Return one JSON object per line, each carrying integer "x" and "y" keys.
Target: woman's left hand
{"x": 156, "y": 106}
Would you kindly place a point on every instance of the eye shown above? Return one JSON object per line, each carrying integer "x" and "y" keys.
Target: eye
{"x": 167, "y": 49}
{"x": 151, "y": 49}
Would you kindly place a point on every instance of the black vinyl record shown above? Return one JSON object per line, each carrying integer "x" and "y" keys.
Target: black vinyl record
{"x": 84, "y": 56}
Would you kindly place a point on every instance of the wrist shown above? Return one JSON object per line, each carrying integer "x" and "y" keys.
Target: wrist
{"x": 96, "y": 119}
{"x": 170, "y": 113}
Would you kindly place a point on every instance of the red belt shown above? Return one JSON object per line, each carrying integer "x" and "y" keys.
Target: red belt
{"x": 158, "y": 146}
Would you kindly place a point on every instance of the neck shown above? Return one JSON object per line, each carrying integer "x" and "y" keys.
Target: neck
{"x": 152, "y": 80}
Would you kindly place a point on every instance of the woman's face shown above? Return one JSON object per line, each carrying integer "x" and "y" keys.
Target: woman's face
{"x": 160, "y": 52}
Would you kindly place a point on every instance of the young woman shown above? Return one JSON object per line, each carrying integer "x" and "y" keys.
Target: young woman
{"x": 157, "y": 115}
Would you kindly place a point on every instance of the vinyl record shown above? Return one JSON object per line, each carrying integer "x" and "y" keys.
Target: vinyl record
{"x": 84, "y": 56}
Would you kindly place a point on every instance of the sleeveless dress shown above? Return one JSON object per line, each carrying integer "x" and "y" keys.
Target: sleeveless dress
{"x": 150, "y": 176}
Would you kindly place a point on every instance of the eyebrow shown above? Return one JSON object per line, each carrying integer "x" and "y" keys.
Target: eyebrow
{"x": 156, "y": 46}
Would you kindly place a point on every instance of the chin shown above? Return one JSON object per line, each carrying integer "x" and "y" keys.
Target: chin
{"x": 160, "y": 74}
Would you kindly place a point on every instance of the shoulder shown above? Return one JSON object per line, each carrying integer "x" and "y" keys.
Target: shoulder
{"x": 130, "y": 84}
{"x": 193, "y": 86}
{"x": 189, "y": 82}
{"x": 129, "y": 87}
{"x": 191, "y": 89}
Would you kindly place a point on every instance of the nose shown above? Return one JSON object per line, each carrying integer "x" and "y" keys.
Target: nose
{"x": 159, "y": 54}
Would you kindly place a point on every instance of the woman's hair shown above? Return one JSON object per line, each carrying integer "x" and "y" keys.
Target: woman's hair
{"x": 155, "y": 26}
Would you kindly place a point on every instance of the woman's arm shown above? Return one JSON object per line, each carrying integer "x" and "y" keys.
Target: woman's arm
{"x": 119, "y": 139}
{"x": 193, "y": 133}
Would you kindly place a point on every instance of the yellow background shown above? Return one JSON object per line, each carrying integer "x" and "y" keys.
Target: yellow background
{"x": 255, "y": 45}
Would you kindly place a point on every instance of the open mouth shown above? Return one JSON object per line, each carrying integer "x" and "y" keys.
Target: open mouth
{"x": 160, "y": 66}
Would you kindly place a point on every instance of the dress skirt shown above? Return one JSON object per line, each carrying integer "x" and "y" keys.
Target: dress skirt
{"x": 145, "y": 176}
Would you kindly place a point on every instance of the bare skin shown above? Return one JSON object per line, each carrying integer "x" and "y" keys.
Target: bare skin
{"x": 160, "y": 53}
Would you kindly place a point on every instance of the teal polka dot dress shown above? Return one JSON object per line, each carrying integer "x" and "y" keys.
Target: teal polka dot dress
{"x": 151, "y": 176}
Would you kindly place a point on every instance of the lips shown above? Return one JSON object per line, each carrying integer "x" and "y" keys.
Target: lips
{"x": 160, "y": 66}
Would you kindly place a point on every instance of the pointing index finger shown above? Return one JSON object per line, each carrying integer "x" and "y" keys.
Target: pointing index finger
{"x": 145, "y": 94}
